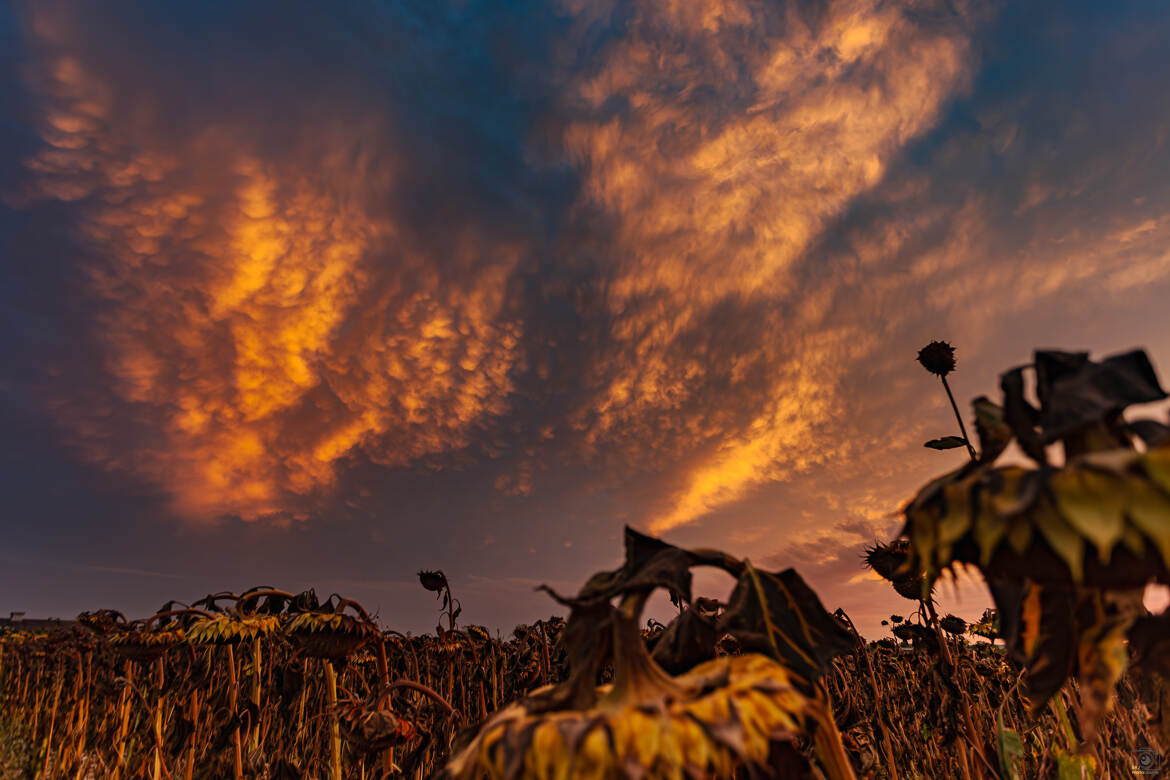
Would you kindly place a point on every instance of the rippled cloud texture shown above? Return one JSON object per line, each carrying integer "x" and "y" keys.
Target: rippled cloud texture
{"x": 498, "y": 277}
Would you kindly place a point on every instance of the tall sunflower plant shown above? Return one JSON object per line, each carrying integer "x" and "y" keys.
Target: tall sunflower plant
{"x": 1068, "y": 541}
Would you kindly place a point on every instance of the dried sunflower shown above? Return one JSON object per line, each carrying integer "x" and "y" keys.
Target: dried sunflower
{"x": 1066, "y": 550}
{"x": 937, "y": 357}
{"x": 139, "y": 643}
{"x": 230, "y": 628}
{"x": 329, "y": 633}
{"x": 892, "y": 563}
{"x": 953, "y": 625}
{"x": 724, "y": 714}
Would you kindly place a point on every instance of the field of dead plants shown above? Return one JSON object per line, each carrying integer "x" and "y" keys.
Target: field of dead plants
{"x": 1065, "y": 678}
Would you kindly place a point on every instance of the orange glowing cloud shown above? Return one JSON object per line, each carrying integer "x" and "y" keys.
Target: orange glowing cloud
{"x": 275, "y": 305}
{"x": 266, "y": 320}
{"x": 260, "y": 320}
{"x": 747, "y": 127}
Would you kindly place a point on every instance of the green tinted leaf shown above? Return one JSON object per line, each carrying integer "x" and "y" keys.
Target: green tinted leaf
{"x": 989, "y": 529}
{"x": 1101, "y": 655}
{"x": 1074, "y": 767}
{"x": 1010, "y": 748}
{"x": 1093, "y": 502}
{"x": 956, "y": 517}
{"x": 1157, "y": 465}
{"x": 1019, "y": 534}
{"x": 1133, "y": 540}
{"x": 1061, "y": 537}
{"x": 1148, "y": 508}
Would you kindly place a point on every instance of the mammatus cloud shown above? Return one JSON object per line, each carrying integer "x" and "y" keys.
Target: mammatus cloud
{"x": 262, "y": 317}
{"x": 270, "y": 313}
{"x": 724, "y": 138}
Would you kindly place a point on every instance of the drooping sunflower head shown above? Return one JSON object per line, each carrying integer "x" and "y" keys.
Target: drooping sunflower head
{"x": 140, "y": 643}
{"x": 328, "y": 632}
{"x": 724, "y": 714}
{"x": 230, "y": 629}
{"x": 1067, "y": 549}
{"x": 953, "y": 625}
{"x": 892, "y": 562}
{"x": 328, "y": 635}
{"x": 102, "y": 621}
{"x": 433, "y": 581}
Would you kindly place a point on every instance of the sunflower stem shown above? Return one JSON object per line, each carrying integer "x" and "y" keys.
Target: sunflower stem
{"x": 959, "y": 417}
{"x": 334, "y": 726}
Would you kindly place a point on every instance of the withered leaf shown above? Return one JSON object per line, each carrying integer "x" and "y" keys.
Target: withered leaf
{"x": 650, "y": 563}
{"x": 779, "y": 615}
{"x": 1020, "y": 415}
{"x": 1075, "y": 392}
{"x": 991, "y": 427}
{"x": 688, "y": 641}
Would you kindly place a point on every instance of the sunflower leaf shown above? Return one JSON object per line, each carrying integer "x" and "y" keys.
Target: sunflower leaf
{"x": 1076, "y": 392}
{"x": 1148, "y": 508}
{"x": 1093, "y": 502}
{"x": 946, "y": 443}
{"x": 1064, "y": 540}
{"x": 993, "y": 431}
{"x": 779, "y": 615}
{"x": 1010, "y": 748}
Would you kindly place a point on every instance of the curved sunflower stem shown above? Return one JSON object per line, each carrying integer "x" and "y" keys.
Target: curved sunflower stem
{"x": 962, "y": 428}
{"x": 423, "y": 689}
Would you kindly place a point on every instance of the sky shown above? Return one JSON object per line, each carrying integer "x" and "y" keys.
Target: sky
{"x": 321, "y": 294}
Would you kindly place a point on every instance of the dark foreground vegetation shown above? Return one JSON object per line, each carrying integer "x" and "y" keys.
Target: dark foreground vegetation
{"x": 1065, "y": 678}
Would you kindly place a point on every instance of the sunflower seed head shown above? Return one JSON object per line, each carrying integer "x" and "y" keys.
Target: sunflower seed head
{"x": 937, "y": 357}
